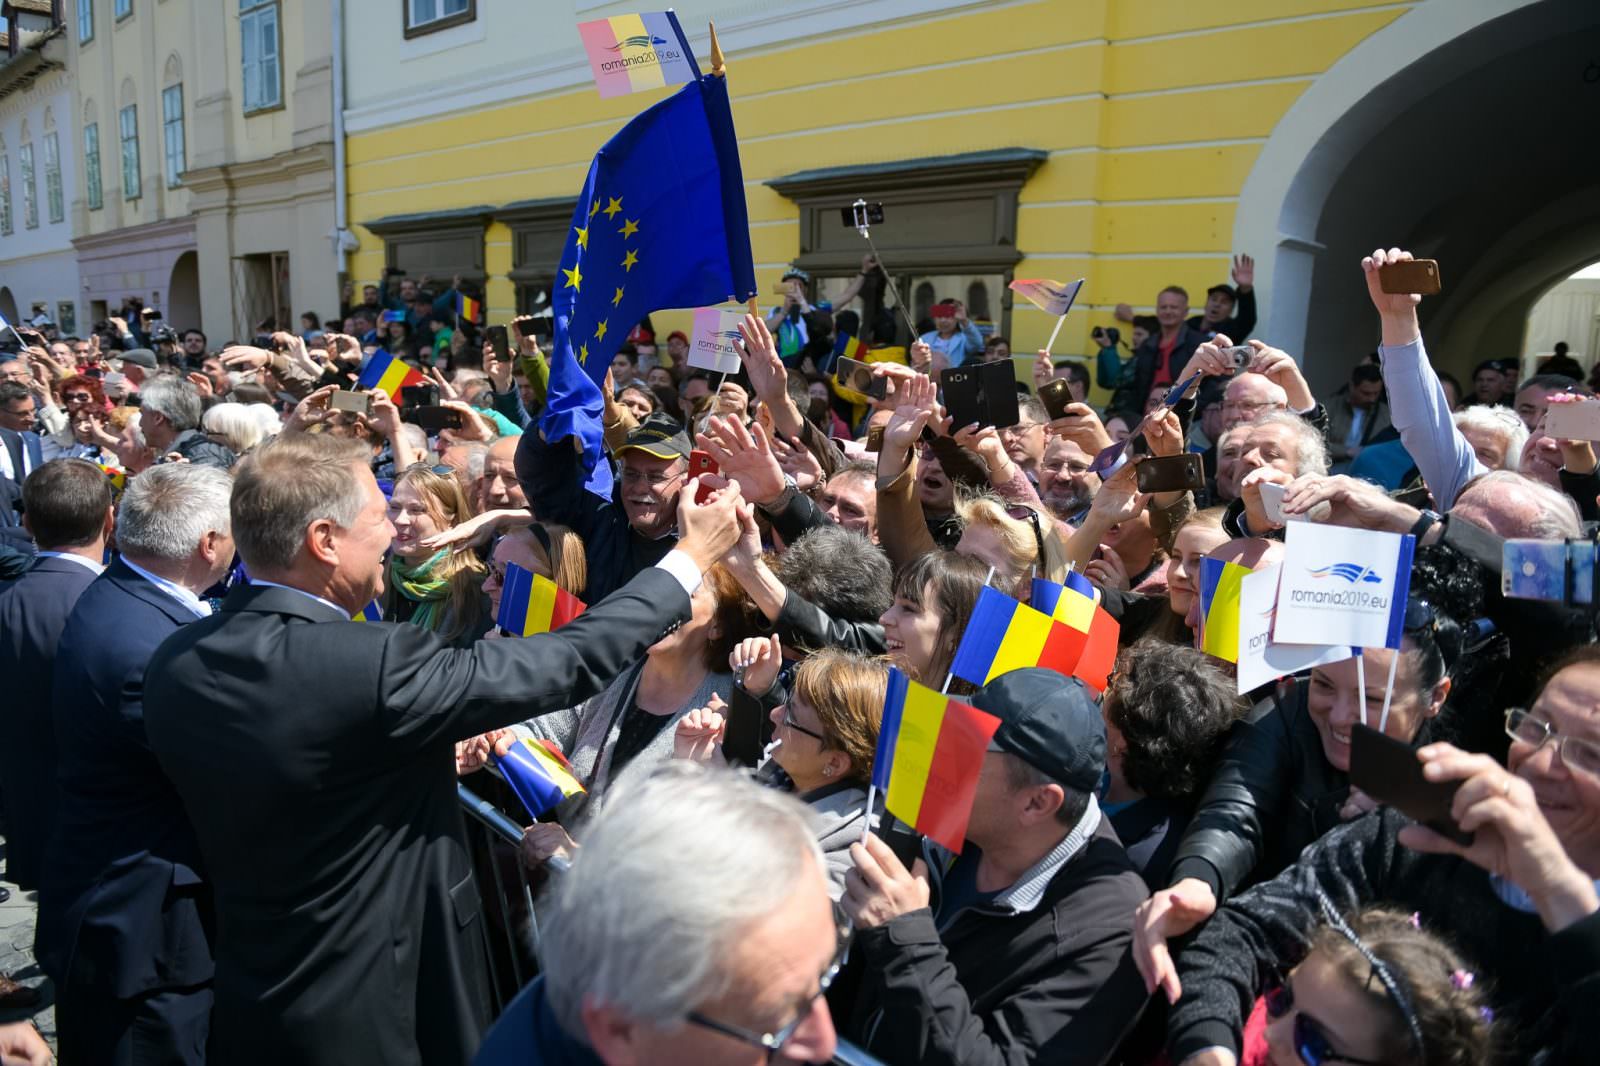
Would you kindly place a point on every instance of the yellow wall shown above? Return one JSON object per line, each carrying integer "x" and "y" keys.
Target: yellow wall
{"x": 1153, "y": 112}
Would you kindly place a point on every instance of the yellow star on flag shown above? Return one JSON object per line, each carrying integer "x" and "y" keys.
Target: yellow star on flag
{"x": 583, "y": 353}
{"x": 600, "y": 331}
{"x": 583, "y": 236}
{"x": 574, "y": 278}
{"x": 633, "y": 257}
{"x": 595, "y": 207}
{"x": 613, "y": 206}
{"x": 617, "y": 299}
{"x": 630, "y": 226}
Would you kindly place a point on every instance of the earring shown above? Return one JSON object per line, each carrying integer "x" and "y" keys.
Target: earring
{"x": 827, "y": 771}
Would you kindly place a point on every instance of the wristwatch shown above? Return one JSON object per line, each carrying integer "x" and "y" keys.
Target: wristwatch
{"x": 1425, "y": 521}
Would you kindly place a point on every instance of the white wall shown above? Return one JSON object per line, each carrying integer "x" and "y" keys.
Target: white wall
{"x": 1569, "y": 312}
{"x": 38, "y": 264}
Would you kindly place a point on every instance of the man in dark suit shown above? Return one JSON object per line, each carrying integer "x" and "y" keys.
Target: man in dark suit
{"x": 21, "y": 450}
{"x": 125, "y": 925}
{"x": 69, "y": 513}
{"x": 315, "y": 758}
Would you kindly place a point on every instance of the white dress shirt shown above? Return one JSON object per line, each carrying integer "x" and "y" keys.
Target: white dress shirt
{"x": 194, "y": 603}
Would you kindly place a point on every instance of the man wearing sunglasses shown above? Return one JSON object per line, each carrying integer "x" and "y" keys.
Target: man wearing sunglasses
{"x": 694, "y": 929}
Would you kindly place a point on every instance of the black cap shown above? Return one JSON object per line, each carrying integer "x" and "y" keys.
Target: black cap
{"x": 1049, "y": 721}
{"x": 660, "y": 436}
{"x": 1232, "y": 295}
{"x": 138, "y": 357}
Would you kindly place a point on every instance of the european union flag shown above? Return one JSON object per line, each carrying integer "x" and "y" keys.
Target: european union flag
{"x": 661, "y": 223}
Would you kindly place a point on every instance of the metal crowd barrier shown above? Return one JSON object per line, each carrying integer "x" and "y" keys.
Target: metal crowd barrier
{"x": 495, "y": 841}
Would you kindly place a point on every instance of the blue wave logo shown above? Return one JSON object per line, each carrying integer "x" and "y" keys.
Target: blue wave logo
{"x": 643, "y": 40}
{"x": 1354, "y": 573}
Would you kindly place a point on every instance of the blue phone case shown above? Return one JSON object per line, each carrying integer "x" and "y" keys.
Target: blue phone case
{"x": 1537, "y": 570}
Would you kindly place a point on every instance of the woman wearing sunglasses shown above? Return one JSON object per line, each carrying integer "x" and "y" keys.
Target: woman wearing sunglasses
{"x": 1520, "y": 901}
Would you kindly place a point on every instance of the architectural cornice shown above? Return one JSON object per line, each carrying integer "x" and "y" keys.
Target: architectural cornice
{"x": 181, "y": 228}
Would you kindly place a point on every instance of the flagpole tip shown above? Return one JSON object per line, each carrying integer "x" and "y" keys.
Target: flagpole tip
{"x": 718, "y": 65}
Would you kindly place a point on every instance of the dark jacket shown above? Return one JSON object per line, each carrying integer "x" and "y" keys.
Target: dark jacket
{"x": 315, "y": 757}
{"x": 1341, "y": 416}
{"x": 1237, "y": 327}
{"x": 33, "y": 611}
{"x": 200, "y": 450}
{"x": 1150, "y": 830}
{"x": 1046, "y": 977}
{"x": 1148, "y": 355}
{"x": 528, "y": 1034}
{"x": 552, "y": 479}
{"x": 1272, "y": 793}
{"x": 123, "y": 909}
{"x": 1546, "y": 986}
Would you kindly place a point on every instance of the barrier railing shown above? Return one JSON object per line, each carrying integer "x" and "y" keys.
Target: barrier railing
{"x": 513, "y": 961}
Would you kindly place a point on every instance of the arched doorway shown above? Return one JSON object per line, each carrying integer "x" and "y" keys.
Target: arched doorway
{"x": 1473, "y": 150}
{"x": 183, "y": 293}
{"x": 8, "y": 306}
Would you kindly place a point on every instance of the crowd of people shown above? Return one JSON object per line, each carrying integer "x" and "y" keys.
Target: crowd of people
{"x": 250, "y": 627}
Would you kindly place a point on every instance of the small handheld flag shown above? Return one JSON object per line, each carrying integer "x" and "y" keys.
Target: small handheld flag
{"x": 631, "y": 53}
{"x": 1219, "y": 608}
{"x": 538, "y": 774}
{"x": 467, "y": 308}
{"x": 1004, "y": 635}
{"x": 531, "y": 603}
{"x": 716, "y": 344}
{"x": 119, "y": 478}
{"x": 930, "y": 752}
{"x": 846, "y": 346}
{"x": 1051, "y": 297}
{"x": 1072, "y": 603}
{"x": 388, "y": 373}
{"x": 372, "y": 612}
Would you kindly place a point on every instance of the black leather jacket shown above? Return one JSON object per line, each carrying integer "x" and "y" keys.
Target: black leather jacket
{"x": 1273, "y": 792}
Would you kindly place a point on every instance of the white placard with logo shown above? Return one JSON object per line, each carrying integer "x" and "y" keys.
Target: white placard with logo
{"x": 716, "y": 344}
{"x": 1260, "y": 658}
{"x": 1342, "y": 586}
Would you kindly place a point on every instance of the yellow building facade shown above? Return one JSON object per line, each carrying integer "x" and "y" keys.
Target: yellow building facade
{"x": 1132, "y": 143}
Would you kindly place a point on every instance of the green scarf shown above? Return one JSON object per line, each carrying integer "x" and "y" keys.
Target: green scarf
{"x": 417, "y": 584}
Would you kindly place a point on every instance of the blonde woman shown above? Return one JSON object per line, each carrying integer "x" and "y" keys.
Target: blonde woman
{"x": 1017, "y": 539}
{"x": 546, "y": 549}
{"x": 438, "y": 590}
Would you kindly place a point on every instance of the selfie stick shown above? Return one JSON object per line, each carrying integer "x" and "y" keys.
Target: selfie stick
{"x": 863, "y": 228}
{"x": 1388, "y": 692}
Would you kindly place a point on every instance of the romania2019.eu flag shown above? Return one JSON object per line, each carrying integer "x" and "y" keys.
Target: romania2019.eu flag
{"x": 930, "y": 750}
{"x": 531, "y": 603}
{"x": 660, "y": 223}
{"x": 387, "y": 372}
{"x": 1005, "y": 635}
{"x": 538, "y": 774}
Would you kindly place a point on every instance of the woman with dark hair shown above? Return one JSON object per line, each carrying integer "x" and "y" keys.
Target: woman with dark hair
{"x": 934, "y": 596}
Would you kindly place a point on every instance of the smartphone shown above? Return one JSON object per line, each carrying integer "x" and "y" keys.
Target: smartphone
{"x": 434, "y": 418}
{"x": 149, "y": 312}
{"x": 985, "y": 394}
{"x": 1540, "y": 569}
{"x": 854, "y": 374}
{"x": 963, "y": 400}
{"x": 412, "y": 396}
{"x": 1272, "y": 501}
{"x": 748, "y": 730}
{"x": 1573, "y": 421}
{"x": 861, "y": 214}
{"x": 1171, "y": 473}
{"x": 500, "y": 343}
{"x": 1055, "y": 395}
{"x": 701, "y": 463}
{"x": 942, "y": 311}
{"x": 1389, "y": 771}
{"x": 393, "y": 316}
{"x": 358, "y": 402}
{"x": 1419, "y": 276}
{"x": 875, "y": 439}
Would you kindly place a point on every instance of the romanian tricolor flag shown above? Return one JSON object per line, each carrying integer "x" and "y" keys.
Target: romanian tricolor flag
{"x": 387, "y": 372}
{"x": 538, "y": 774}
{"x": 119, "y": 478}
{"x": 930, "y": 750}
{"x": 1219, "y": 608}
{"x": 1072, "y": 603}
{"x": 531, "y": 603}
{"x": 372, "y": 612}
{"x": 467, "y": 308}
{"x": 847, "y": 346}
{"x": 630, "y": 53}
{"x": 1004, "y": 635}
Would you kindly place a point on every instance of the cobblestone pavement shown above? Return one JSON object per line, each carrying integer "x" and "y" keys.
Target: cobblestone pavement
{"x": 16, "y": 958}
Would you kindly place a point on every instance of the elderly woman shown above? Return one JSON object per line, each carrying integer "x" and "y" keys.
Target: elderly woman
{"x": 235, "y": 425}
{"x": 438, "y": 590}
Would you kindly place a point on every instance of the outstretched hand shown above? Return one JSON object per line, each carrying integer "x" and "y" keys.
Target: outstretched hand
{"x": 745, "y": 456}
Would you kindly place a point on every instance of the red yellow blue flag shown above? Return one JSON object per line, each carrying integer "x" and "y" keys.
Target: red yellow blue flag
{"x": 538, "y": 774}
{"x": 389, "y": 373}
{"x": 1004, "y": 635}
{"x": 847, "y": 346}
{"x": 930, "y": 751}
{"x": 372, "y": 612}
{"x": 1219, "y": 608}
{"x": 531, "y": 603}
{"x": 467, "y": 308}
{"x": 631, "y": 53}
{"x": 1072, "y": 603}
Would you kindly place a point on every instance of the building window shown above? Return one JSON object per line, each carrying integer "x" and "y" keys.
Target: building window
{"x": 91, "y": 165}
{"x": 122, "y": 8}
{"x": 85, "y": 21}
{"x": 128, "y": 120}
{"x": 258, "y": 30}
{"x": 172, "y": 132}
{"x": 54, "y": 201}
{"x": 30, "y": 191}
{"x": 426, "y": 16}
{"x": 5, "y": 196}
{"x": 67, "y": 317}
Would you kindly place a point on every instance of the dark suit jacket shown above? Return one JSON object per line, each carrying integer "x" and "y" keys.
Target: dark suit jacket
{"x": 316, "y": 759}
{"x": 32, "y": 446}
{"x": 122, "y": 907}
{"x": 33, "y": 610}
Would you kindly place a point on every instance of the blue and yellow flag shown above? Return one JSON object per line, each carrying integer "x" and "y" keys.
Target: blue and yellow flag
{"x": 539, "y": 775}
{"x": 372, "y": 612}
{"x": 661, "y": 223}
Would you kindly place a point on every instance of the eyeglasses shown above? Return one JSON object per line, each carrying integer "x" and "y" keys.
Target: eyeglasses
{"x": 773, "y": 1042}
{"x": 1575, "y": 752}
{"x": 1029, "y": 515}
{"x": 788, "y": 720}
{"x": 1252, "y": 408}
{"x": 1311, "y": 1041}
{"x": 631, "y": 476}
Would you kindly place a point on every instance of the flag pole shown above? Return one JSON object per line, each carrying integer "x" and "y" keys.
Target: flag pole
{"x": 866, "y": 828}
{"x": 1051, "y": 343}
{"x": 1388, "y": 692}
{"x": 1361, "y": 682}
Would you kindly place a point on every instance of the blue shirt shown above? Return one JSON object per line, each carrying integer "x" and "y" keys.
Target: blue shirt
{"x": 964, "y": 342}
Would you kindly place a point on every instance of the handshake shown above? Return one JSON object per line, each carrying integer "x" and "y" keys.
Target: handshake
{"x": 712, "y": 518}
